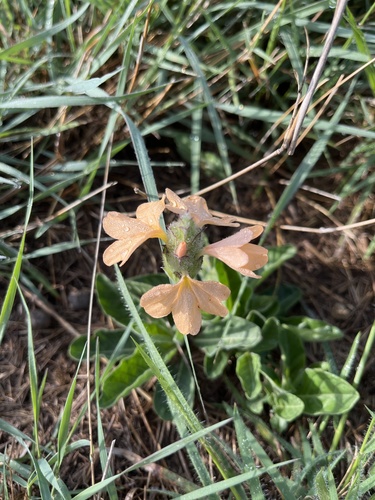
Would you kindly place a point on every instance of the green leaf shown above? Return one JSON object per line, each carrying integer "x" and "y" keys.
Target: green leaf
{"x": 130, "y": 373}
{"x": 287, "y": 406}
{"x": 265, "y": 304}
{"x": 185, "y": 381}
{"x": 111, "y": 300}
{"x": 231, "y": 279}
{"x": 256, "y": 406}
{"x": 287, "y": 296}
{"x": 325, "y": 393}
{"x": 150, "y": 279}
{"x": 311, "y": 330}
{"x": 270, "y": 335}
{"x": 108, "y": 341}
{"x": 248, "y": 368}
{"x": 240, "y": 334}
{"x": 214, "y": 366}
{"x": 292, "y": 355}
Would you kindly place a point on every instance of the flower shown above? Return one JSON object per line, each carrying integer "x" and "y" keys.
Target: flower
{"x": 131, "y": 233}
{"x": 185, "y": 300}
{"x": 197, "y": 208}
{"x": 237, "y": 253}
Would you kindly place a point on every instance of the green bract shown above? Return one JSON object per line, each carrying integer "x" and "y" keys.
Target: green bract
{"x": 182, "y": 252}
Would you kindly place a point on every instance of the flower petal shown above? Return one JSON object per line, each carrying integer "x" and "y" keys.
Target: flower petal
{"x": 230, "y": 256}
{"x": 197, "y": 207}
{"x": 210, "y": 295}
{"x": 130, "y": 232}
{"x": 236, "y": 253}
{"x": 121, "y": 250}
{"x": 199, "y": 212}
{"x": 240, "y": 238}
{"x": 158, "y": 302}
{"x": 248, "y": 272}
{"x": 186, "y": 300}
{"x": 186, "y": 312}
{"x": 149, "y": 213}
{"x": 194, "y": 297}
{"x": 120, "y": 226}
{"x": 257, "y": 256}
{"x": 176, "y": 204}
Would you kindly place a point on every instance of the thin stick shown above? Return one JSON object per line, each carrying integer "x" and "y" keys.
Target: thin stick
{"x": 47, "y": 308}
{"x": 91, "y": 303}
{"x": 339, "y": 11}
{"x": 282, "y": 148}
{"x": 62, "y": 211}
{"x": 140, "y": 51}
{"x": 287, "y": 227}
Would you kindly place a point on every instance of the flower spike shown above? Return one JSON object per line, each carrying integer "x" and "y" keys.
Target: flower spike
{"x": 237, "y": 253}
{"x": 130, "y": 232}
{"x": 197, "y": 208}
{"x": 185, "y": 300}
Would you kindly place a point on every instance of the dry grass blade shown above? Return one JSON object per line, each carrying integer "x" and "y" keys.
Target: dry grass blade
{"x": 339, "y": 11}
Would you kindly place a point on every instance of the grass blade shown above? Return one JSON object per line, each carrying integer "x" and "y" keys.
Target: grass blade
{"x": 11, "y": 292}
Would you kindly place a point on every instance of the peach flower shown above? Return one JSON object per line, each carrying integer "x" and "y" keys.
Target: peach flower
{"x": 130, "y": 232}
{"x": 185, "y": 300}
{"x": 237, "y": 253}
{"x": 197, "y": 208}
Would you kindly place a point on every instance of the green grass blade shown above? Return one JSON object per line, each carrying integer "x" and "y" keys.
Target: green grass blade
{"x": 177, "y": 401}
{"x": 357, "y": 379}
{"x": 11, "y": 292}
{"x": 229, "y": 483}
{"x": 23, "y": 439}
{"x": 214, "y": 117}
{"x": 325, "y": 485}
{"x": 196, "y": 145}
{"x": 247, "y": 457}
{"x": 103, "y": 455}
{"x": 63, "y": 432}
{"x": 33, "y": 375}
{"x": 280, "y": 481}
{"x": 36, "y": 40}
{"x": 178, "y": 445}
{"x": 362, "y": 47}
{"x": 143, "y": 161}
{"x": 55, "y": 482}
{"x": 182, "y": 427}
